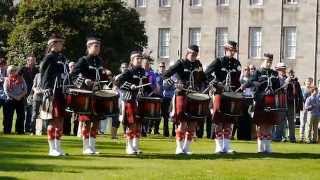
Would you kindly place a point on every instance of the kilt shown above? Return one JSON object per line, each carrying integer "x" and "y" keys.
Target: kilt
{"x": 131, "y": 112}
{"x": 261, "y": 117}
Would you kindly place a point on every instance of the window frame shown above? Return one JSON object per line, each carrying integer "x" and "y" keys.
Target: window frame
{"x": 217, "y": 42}
{"x": 161, "y": 42}
{"x": 250, "y": 43}
{"x": 136, "y": 4}
{"x": 286, "y": 45}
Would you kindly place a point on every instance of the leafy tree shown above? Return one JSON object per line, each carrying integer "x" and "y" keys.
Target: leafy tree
{"x": 118, "y": 27}
{"x": 7, "y": 14}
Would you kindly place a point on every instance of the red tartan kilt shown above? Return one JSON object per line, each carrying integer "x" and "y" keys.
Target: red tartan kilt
{"x": 261, "y": 117}
{"x": 58, "y": 106}
{"x": 130, "y": 112}
{"x": 180, "y": 107}
{"x": 218, "y": 116}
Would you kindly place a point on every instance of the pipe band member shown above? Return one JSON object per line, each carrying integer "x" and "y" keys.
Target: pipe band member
{"x": 128, "y": 83}
{"x": 264, "y": 90}
{"x": 218, "y": 71}
{"x": 183, "y": 69}
{"x": 51, "y": 75}
{"x": 89, "y": 68}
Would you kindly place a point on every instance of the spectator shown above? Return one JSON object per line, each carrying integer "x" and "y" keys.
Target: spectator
{"x": 245, "y": 121}
{"x": 29, "y": 72}
{"x": 148, "y": 124}
{"x": 295, "y": 103}
{"x": 123, "y": 68}
{"x": 306, "y": 92}
{"x": 279, "y": 133}
{"x": 3, "y": 74}
{"x": 16, "y": 89}
{"x": 312, "y": 105}
{"x": 166, "y": 91}
{"x": 36, "y": 102}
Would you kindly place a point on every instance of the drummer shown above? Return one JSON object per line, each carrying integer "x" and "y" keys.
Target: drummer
{"x": 217, "y": 73}
{"x": 51, "y": 71}
{"x": 265, "y": 120}
{"x": 86, "y": 69}
{"x": 182, "y": 69}
{"x": 128, "y": 83}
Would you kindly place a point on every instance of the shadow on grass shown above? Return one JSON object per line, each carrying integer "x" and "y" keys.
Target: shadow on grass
{"x": 25, "y": 167}
{"x": 7, "y": 178}
{"x": 216, "y": 156}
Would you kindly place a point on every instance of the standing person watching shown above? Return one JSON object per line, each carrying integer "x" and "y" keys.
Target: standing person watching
{"x": 306, "y": 92}
{"x": 312, "y": 105}
{"x": 16, "y": 89}
{"x": 29, "y": 72}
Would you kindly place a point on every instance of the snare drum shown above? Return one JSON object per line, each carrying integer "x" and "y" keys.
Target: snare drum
{"x": 276, "y": 102}
{"x": 78, "y": 101}
{"x": 150, "y": 107}
{"x": 105, "y": 103}
{"x": 232, "y": 103}
{"x": 197, "y": 105}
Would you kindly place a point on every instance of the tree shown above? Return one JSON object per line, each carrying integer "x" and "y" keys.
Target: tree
{"x": 7, "y": 14}
{"x": 118, "y": 26}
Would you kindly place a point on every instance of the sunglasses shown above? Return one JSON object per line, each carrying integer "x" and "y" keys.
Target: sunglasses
{"x": 162, "y": 66}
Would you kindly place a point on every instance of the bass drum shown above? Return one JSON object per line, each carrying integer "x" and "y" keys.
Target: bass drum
{"x": 150, "y": 107}
{"x": 78, "y": 101}
{"x": 197, "y": 105}
{"x": 105, "y": 103}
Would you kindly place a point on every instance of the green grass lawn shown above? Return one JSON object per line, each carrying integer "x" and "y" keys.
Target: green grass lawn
{"x": 25, "y": 157}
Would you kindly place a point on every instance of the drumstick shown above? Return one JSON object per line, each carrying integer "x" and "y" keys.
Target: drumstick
{"x": 143, "y": 85}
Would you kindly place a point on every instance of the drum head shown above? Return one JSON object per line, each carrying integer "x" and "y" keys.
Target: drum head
{"x": 198, "y": 96}
{"x": 106, "y": 93}
{"x": 233, "y": 95}
{"x": 82, "y": 91}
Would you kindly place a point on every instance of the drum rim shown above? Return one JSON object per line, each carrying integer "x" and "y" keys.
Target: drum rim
{"x": 149, "y": 98}
{"x": 114, "y": 94}
{"x": 85, "y": 91}
{"x": 206, "y": 98}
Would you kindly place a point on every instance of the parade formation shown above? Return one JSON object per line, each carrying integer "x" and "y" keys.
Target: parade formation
{"x": 223, "y": 92}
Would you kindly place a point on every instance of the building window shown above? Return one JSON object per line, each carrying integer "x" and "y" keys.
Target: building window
{"x": 194, "y": 36}
{"x": 255, "y": 42}
{"x": 290, "y": 42}
{"x": 223, "y": 2}
{"x": 164, "y": 42}
{"x": 140, "y": 3}
{"x": 291, "y": 1}
{"x": 221, "y": 39}
{"x": 256, "y": 2}
{"x": 164, "y": 3}
{"x": 195, "y": 3}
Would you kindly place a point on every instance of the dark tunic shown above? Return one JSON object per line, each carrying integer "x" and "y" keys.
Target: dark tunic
{"x": 260, "y": 116}
{"x": 132, "y": 77}
{"x": 51, "y": 69}
{"x": 85, "y": 67}
{"x": 182, "y": 70}
{"x": 220, "y": 67}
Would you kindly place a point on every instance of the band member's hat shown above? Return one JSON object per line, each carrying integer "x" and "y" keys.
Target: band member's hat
{"x": 281, "y": 65}
{"x": 193, "y": 48}
{"x": 55, "y": 37}
{"x": 93, "y": 40}
{"x": 134, "y": 54}
{"x": 268, "y": 56}
{"x": 231, "y": 45}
